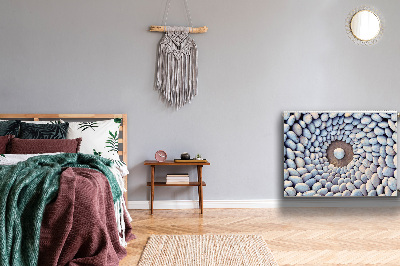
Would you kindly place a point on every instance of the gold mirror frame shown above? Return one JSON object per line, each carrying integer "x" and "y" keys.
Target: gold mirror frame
{"x": 350, "y": 32}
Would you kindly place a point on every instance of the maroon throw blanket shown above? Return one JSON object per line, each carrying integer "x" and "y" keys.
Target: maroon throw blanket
{"x": 79, "y": 227}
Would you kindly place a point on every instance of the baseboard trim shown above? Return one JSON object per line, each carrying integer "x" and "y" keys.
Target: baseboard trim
{"x": 266, "y": 203}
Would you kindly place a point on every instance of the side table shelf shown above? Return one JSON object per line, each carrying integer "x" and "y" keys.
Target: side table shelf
{"x": 164, "y": 184}
{"x": 199, "y": 184}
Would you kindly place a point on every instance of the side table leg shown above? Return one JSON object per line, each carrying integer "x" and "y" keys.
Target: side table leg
{"x": 152, "y": 187}
{"x": 200, "y": 180}
{"x": 198, "y": 187}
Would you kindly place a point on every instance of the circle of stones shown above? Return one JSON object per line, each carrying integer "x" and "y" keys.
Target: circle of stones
{"x": 372, "y": 169}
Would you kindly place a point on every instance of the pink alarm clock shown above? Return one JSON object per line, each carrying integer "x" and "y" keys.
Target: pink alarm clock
{"x": 161, "y": 156}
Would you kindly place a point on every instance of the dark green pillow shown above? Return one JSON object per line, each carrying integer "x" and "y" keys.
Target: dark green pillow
{"x": 43, "y": 131}
{"x": 10, "y": 127}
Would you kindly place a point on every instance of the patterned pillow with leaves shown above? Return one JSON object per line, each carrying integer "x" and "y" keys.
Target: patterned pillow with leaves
{"x": 98, "y": 137}
{"x": 10, "y": 127}
{"x": 43, "y": 131}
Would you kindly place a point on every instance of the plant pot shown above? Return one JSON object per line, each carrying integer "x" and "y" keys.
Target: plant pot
{"x": 185, "y": 156}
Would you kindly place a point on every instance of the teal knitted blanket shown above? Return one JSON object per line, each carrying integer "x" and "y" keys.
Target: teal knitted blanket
{"x": 25, "y": 190}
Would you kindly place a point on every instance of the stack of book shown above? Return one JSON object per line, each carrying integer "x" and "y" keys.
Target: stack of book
{"x": 177, "y": 178}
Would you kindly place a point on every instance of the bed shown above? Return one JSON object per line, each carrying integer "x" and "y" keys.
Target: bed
{"x": 62, "y": 206}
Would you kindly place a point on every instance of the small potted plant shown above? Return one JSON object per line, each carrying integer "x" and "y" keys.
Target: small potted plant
{"x": 198, "y": 157}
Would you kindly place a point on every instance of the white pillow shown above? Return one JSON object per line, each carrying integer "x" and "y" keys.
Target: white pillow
{"x": 98, "y": 137}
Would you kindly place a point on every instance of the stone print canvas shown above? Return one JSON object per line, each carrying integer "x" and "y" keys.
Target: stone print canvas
{"x": 340, "y": 154}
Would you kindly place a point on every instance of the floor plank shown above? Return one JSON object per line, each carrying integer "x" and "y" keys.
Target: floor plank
{"x": 296, "y": 236}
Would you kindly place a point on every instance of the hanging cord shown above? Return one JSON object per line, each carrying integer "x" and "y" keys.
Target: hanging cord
{"x": 188, "y": 13}
{"x": 166, "y": 12}
{"x": 165, "y": 17}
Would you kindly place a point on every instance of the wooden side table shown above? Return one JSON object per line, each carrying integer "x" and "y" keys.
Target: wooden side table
{"x": 200, "y": 183}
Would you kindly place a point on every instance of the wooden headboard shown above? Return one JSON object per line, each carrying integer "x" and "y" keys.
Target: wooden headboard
{"x": 123, "y": 138}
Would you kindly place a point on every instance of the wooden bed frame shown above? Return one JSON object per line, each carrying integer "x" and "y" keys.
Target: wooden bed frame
{"x": 123, "y": 138}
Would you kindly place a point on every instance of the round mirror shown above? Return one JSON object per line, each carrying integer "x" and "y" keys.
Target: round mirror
{"x": 365, "y": 25}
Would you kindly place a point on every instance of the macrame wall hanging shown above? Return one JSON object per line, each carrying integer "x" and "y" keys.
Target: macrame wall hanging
{"x": 176, "y": 74}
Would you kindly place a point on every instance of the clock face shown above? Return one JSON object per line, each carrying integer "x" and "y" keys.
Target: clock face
{"x": 161, "y": 156}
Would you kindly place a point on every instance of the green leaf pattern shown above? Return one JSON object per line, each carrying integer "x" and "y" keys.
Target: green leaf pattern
{"x": 98, "y": 153}
{"x": 112, "y": 142}
{"x": 118, "y": 162}
{"x": 85, "y": 125}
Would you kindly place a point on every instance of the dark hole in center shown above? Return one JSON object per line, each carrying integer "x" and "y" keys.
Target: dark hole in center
{"x": 348, "y": 149}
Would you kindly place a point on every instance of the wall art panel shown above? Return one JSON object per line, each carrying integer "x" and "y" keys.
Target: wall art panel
{"x": 340, "y": 154}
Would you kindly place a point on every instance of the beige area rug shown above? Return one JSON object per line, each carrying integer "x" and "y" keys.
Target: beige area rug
{"x": 206, "y": 250}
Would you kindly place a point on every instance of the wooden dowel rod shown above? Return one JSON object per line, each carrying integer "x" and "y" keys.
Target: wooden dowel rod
{"x": 191, "y": 30}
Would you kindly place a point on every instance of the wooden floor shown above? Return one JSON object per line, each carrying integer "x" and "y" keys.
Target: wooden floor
{"x": 296, "y": 236}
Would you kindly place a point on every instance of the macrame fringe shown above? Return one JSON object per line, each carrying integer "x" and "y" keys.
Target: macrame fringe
{"x": 177, "y": 67}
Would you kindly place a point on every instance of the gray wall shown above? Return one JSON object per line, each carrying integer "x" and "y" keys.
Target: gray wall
{"x": 258, "y": 59}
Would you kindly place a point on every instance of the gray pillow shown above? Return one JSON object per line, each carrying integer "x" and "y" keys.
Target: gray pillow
{"x": 43, "y": 131}
{"x": 10, "y": 127}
